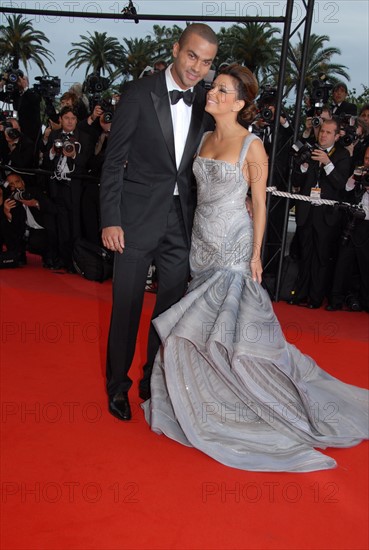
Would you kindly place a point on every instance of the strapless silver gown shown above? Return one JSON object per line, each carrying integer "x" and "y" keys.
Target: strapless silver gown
{"x": 226, "y": 381}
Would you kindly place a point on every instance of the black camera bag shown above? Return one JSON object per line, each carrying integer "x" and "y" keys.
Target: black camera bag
{"x": 92, "y": 262}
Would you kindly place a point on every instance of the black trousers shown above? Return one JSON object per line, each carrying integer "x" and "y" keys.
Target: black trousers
{"x": 129, "y": 279}
{"x": 354, "y": 256}
{"x": 318, "y": 243}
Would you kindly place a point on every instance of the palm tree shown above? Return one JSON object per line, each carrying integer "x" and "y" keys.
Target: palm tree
{"x": 99, "y": 52}
{"x": 319, "y": 62}
{"x": 251, "y": 44}
{"x": 21, "y": 43}
{"x": 165, "y": 37}
{"x": 138, "y": 53}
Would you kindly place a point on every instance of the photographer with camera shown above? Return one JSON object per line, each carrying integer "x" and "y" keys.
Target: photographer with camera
{"x": 28, "y": 222}
{"x": 339, "y": 104}
{"x": 320, "y": 172}
{"x": 351, "y": 277}
{"x": 67, "y": 153}
{"x": 14, "y": 88}
{"x": 16, "y": 149}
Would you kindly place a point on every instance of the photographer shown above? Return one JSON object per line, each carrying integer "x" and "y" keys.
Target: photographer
{"x": 16, "y": 149}
{"x": 339, "y": 104}
{"x": 14, "y": 88}
{"x": 314, "y": 119}
{"x": 28, "y": 222}
{"x": 67, "y": 153}
{"x": 353, "y": 255}
{"x": 324, "y": 176}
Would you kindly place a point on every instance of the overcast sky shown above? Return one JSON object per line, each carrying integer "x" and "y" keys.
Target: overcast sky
{"x": 346, "y": 22}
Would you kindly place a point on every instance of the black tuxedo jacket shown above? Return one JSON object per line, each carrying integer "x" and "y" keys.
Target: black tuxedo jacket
{"x": 346, "y": 108}
{"x": 332, "y": 186}
{"x": 139, "y": 172}
{"x": 84, "y": 152}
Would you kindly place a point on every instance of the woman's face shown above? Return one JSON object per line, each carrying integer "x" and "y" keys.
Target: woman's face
{"x": 222, "y": 96}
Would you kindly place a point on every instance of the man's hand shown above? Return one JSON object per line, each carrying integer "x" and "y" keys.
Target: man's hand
{"x": 31, "y": 203}
{"x": 113, "y": 238}
{"x": 320, "y": 156}
{"x": 8, "y": 205}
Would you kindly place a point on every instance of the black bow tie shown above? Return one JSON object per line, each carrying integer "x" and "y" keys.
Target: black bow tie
{"x": 67, "y": 134}
{"x": 187, "y": 96}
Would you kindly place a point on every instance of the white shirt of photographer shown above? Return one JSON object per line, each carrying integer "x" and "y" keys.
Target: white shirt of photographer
{"x": 181, "y": 119}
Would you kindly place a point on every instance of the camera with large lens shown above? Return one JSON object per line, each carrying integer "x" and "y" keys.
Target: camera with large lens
{"x": 12, "y": 133}
{"x": 64, "y": 145}
{"x": 95, "y": 84}
{"x": 361, "y": 176}
{"x": 11, "y": 76}
{"x": 348, "y": 125}
{"x": 301, "y": 152}
{"x": 353, "y": 213}
{"x": 108, "y": 108}
{"x": 20, "y": 195}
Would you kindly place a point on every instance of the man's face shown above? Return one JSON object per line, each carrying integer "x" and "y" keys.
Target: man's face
{"x": 15, "y": 182}
{"x": 366, "y": 158}
{"x": 68, "y": 122}
{"x": 339, "y": 94}
{"x": 365, "y": 115}
{"x": 327, "y": 134}
{"x": 192, "y": 61}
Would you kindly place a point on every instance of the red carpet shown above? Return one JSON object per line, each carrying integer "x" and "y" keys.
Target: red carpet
{"x": 73, "y": 477}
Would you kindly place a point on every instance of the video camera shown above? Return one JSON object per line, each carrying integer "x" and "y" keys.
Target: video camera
{"x": 48, "y": 87}
{"x": 10, "y": 76}
{"x": 93, "y": 86}
{"x": 321, "y": 91}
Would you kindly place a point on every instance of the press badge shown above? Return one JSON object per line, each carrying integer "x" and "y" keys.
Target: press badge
{"x": 315, "y": 193}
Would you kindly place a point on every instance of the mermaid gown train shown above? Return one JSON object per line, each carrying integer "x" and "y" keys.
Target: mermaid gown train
{"x": 225, "y": 380}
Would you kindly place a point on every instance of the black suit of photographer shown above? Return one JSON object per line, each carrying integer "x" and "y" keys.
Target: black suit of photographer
{"x": 38, "y": 241}
{"x": 319, "y": 227}
{"x": 27, "y": 104}
{"x": 345, "y": 108}
{"x": 20, "y": 155}
{"x": 65, "y": 187}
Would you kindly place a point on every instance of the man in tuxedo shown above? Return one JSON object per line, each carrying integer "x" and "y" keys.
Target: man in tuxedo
{"x": 339, "y": 104}
{"x": 27, "y": 103}
{"x": 67, "y": 153}
{"x": 319, "y": 226}
{"x": 27, "y": 220}
{"x": 147, "y": 199}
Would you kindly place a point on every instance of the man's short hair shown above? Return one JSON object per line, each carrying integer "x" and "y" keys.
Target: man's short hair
{"x": 340, "y": 85}
{"x": 202, "y": 30}
{"x": 68, "y": 109}
{"x": 336, "y": 121}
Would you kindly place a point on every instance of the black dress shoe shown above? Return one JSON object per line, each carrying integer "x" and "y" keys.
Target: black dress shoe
{"x": 144, "y": 394}
{"x": 119, "y": 406}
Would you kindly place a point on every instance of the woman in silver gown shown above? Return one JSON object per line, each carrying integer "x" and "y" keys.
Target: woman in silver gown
{"x": 226, "y": 381}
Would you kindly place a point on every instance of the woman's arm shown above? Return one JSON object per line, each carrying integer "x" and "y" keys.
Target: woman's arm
{"x": 256, "y": 173}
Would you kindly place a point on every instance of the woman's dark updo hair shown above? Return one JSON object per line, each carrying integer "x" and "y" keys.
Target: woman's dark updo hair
{"x": 247, "y": 90}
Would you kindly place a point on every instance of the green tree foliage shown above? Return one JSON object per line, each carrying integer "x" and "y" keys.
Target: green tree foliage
{"x": 20, "y": 43}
